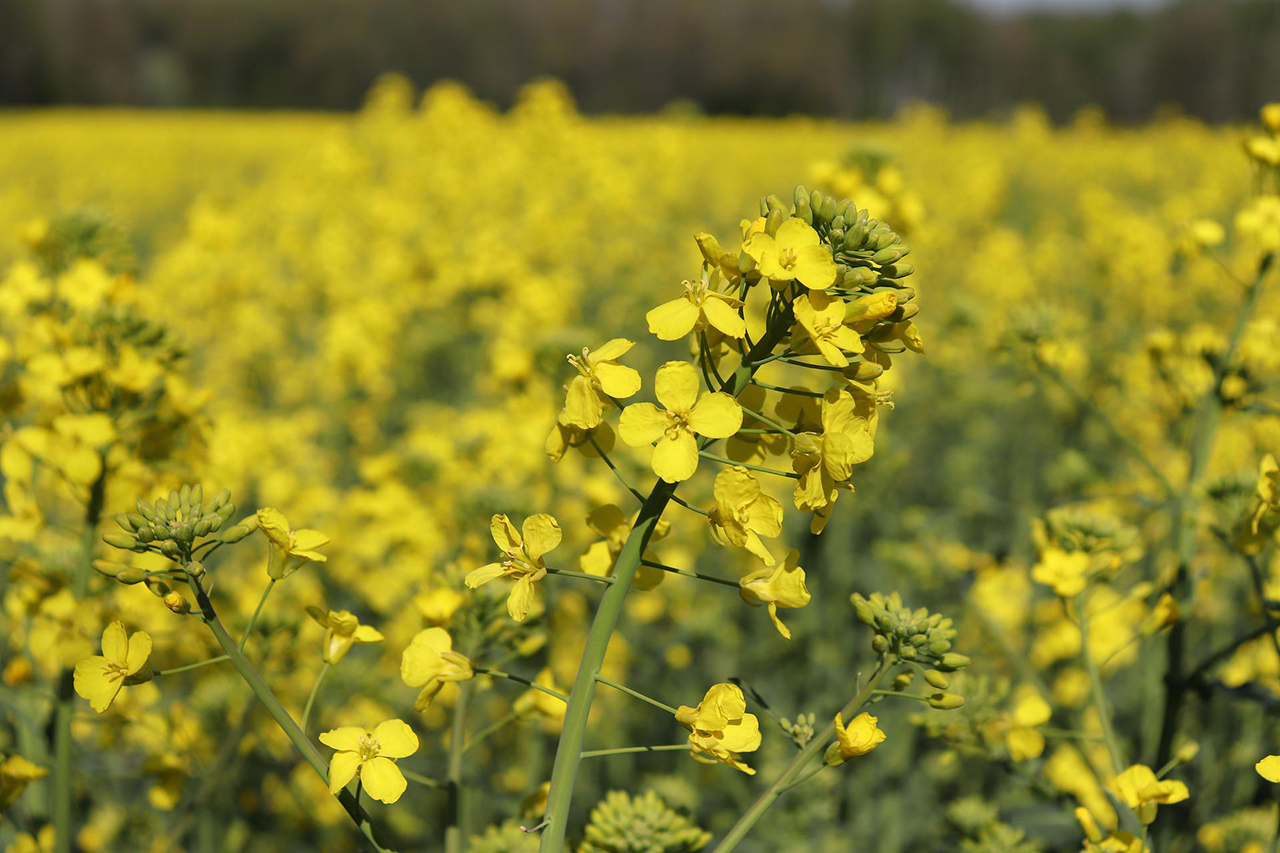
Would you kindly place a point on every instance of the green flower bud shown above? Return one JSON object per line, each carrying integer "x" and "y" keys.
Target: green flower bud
{"x": 946, "y": 701}
{"x": 936, "y": 679}
{"x": 145, "y": 535}
{"x": 952, "y": 661}
{"x": 131, "y": 575}
{"x": 122, "y": 521}
{"x": 903, "y": 680}
{"x": 204, "y": 525}
{"x": 184, "y": 498}
{"x": 235, "y": 533}
{"x": 145, "y": 510}
{"x": 879, "y": 644}
{"x": 170, "y": 549}
{"x": 110, "y": 568}
{"x": 197, "y": 495}
{"x": 800, "y": 196}
{"x": 195, "y": 568}
{"x": 827, "y": 210}
{"x": 120, "y": 540}
{"x": 773, "y": 221}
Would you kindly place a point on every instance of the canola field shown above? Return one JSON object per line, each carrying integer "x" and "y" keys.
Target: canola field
{"x": 331, "y": 520}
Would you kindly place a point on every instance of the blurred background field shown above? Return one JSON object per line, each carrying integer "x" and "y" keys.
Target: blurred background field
{"x": 373, "y": 310}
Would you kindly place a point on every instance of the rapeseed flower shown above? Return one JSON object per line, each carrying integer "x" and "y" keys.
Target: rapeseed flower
{"x": 523, "y": 551}
{"x": 123, "y": 661}
{"x": 675, "y": 455}
{"x": 371, "y": 756}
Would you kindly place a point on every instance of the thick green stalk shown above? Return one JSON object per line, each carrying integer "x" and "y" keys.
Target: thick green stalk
{"x": 454, "y": 840}
{"x": 63, "y": 789}
{"x": 792, "y": 773}
{"x": 283, "y": 720}
{"x": 564, "y": 771}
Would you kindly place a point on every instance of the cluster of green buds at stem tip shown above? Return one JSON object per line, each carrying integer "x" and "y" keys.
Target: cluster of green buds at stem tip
{"x": 171, "y": 526}
{"x": 917, "y": 637}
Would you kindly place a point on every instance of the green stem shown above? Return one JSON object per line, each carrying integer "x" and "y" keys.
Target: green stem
{"x": 454, "y": 841}
{"x": 256, "y": 612}
{"x": 581, "y": 576}
{"x": 311, "y": 698}
{"x": 624, "y": 750}
{"x": 765, "y": 419}
{"x": 420, "y": 779}
{"x": 1095, "y": 686}
{"x": 278, "y": 713}
{"x": 175, "y": 670}
{"x": 519, "y": 679}
{"x": 791, "y": 774}
{"x": 725, "y": 461}
{"x": 614, "y": 468}
{"x": 782, "y": 389}
{"x": 636, "y": 694}
{"x": 805, "y": 778}
{"x": 688, "y": 574}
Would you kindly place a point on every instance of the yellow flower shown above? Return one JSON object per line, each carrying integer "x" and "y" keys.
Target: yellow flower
{"x": 714, "y": 415}
{"x": 701, "y": 305}
{"x": 371, "y": 755}
{"x": 858, "y": 738}
{"x": 1067, "y": 572}
{"x": 1270, "y": 116}
{"x": 781, "y": 586}
{"x": 522, "y": 560}
{"x": 290, "y": 549}
{"x": 123, "y": 661}
{"x": 743, "y": 513}
{"x": 429, "y": 662}
{"x": 821, "y": 320}
{"x": 1141, "y": 791}
{"x": 610, "y": 522}
{"x": 1030, "y": 711}
{"x": 720, "y": 729}
{"x": 15, "y": 774}
{"x": 823, "y": 461}
{"x": 1269, "y": 768}
{"x": 342, "y": 631}
{"x": 599, "y": 373}
{"x": 795, "y": 253}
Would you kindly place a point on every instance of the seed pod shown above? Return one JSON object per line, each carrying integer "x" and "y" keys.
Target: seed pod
{"x": 119, "y": 540}
{"x": 946, "y": 701}
{"x": 936, "y": 679}
{"x": 131, "y": 575}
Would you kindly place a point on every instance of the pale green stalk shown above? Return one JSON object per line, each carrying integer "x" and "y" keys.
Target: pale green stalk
{"x": 311, "y": 698}
{"x": 256, "y": 612}
{"x": 454, "y": 833}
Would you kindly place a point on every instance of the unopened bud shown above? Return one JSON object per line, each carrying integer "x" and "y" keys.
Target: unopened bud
{"x": 176, "y": 602}
{"x": 110, "y": 568}
{"x": 903, "y": 681}
{"x": 195, "y": 568}
{"x": 952, "y": 661}
{"x": 946, "y": 701}
{"x": 879, "y": 644}
{"x": 131, "y": 575}
{"x": 119, "y": 540}
{"x": 936, "y": 679}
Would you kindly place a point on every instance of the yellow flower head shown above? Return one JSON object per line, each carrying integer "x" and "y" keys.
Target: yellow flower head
{"x": 720, "y": 729}
{"x": 1030, "y": 711}
{"x": 743, "y": 513}
{"x": 1141, "y": 791}
{"x": 342, "y": 631}
{"x": 823, "y": 461}
{"x": 522, "y": 558}
{"x": 675, "y": 456}
{"x": 15, "y": 774}
{"x": 290, "y": 549}
{"x": 795, "y": 253}
{"x": 862, "y": 735}
{"x": 1066, "y": 571}
{"x": 820, "y": 320}
{"x": 371, "y": 756}
{"x": 600, "y": 379}
{"x": 100, "y": 678}
{"x": 781, "y": 586}
{"x": 1269, "y": 768}
{"x": 429, "y": 662}
{"x": 702, "y": 305}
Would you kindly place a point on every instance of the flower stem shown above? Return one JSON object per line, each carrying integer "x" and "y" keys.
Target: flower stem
{"x": 453, "y": 833}
{"x": 175, "y": 670}
{"x": 497, "y": 673}
{"x": 688, "y": 574}
{"x": 581, "y": 576}
{"x": 791, "y": 774}
{"x": 775, "y": 472}
{"x": 278, "y": 713}
{"x": 256, "y": 612}
{"x": 636, "y": 694}
{"x": 623, "y": 750}
{"x": 311, "y": 698}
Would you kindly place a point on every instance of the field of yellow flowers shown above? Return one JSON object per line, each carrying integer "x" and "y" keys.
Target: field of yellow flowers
{"x": 331, "y": 520}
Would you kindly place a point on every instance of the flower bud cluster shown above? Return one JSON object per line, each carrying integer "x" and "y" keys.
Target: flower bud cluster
{"x": 171, "y": 526}
{"x": 910, "y": 635}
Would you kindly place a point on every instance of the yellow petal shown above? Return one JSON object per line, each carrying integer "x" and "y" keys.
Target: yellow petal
{"x": 275, "y": 526}
{"x": 139, "y": 651}
{"x": 582, "y": 406}
{"x": 420, "y": 663}
{"x": 676, "y": 386}
{"x": 724, "y": 318}
{"x": 814, "y": 267}
{"x": 676, "y": 458}
{"x": 617, "y": 380}
{"x": 368, "y": 634}
{"x": 641, "y": 424}
{"x": 115, "y": 643}
{"x": 541, "y": 534}
{"x": 484, "y": 574}
{"x": 395, "y": 739}
{"x": 382, "y": 779}
{"x": 672, "y": 320}
{"x": 306, "y": 540}
{"x": 611, "y": 350}
{"x": 520, "y": 599}
{"x": 605, "y": 519}
{"x": 342, "y": 769}
{"x": 716, "y": 415}
{"x": 735, "y": 487}
{"x": 504, "y": 533}
{"x": 1269, "y": 768}
{"x": 796, "y": 234}
{"x": 95, "y": 682}
{"x": 344, "y": 738}
{"x": 597, "y": 559}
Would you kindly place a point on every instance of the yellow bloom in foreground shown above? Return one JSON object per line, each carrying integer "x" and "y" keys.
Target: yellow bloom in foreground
{"x": 100, "y": 678}
{"x": 781, "y": 586}
{"x": 701, "y": 305}
{"x": 714, "y": 415}
{"x": 429, "y": 662}
{"x": 720, "y": 729}
{"x": 371, "y": 756}
{"x": 820, "y": 318}
{"x": 1141, "y": 791}
{"x": 826, "y": 460}
{"x": 1067, "y": 572}
{"x": 858, "y": 738}
{"x": 290, "y": 549}
{"x": 15, "y": 774}
{"x": 743, "y": 513}
{"x": 600, "y": 377}
{"x": 1269, "y": 768}
{"x": 794, "y": 253}
{"x": 342, "y": 631}
{"x": 522, "y": 558}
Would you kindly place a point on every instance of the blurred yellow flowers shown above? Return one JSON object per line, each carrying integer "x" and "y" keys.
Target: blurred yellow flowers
{"x": 429, "y": 661}
{"x": 290, "y": 549}
{"x": 862, "y": 735}
{"x": 675, "y": 456}
{"x": 342, "y": 631}
{"x": 523, "y": 550}
{"x": 371, "y": 756}
{"x": 100, "y": 678}
{"x": 720, "y": 729}
{"x": 1141, "y": 791}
